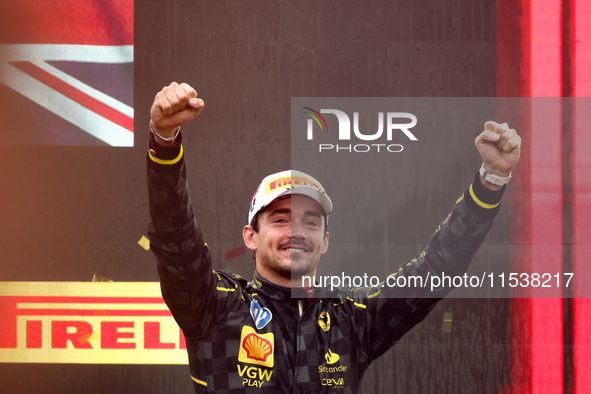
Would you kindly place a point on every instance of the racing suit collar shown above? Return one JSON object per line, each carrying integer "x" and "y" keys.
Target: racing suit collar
{"x": 277, "y": 292}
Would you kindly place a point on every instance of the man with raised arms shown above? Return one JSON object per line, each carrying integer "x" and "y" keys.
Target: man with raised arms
{"x": 270, "y": 335}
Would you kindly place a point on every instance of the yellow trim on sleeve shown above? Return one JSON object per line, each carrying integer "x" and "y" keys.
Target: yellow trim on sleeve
{"x": 356, "y": 303}
{"x": 226, "y": 289}
{"x": 461, "y": 197}
{"x": 167, "y": 162}
{"x": 480, "y": 203}
{"x": 199, "y": 381}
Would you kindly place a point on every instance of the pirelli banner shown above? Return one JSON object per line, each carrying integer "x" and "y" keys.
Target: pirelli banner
{"x": 88, "y": 323}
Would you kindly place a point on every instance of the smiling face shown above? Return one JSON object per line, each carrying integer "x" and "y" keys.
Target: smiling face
{"x": 290, "y": 240}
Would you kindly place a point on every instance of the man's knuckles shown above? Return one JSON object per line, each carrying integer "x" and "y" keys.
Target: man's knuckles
{"x": 490, "y": 125}
{"x": 513, "y": 143}
{"x": 188, "y": 90}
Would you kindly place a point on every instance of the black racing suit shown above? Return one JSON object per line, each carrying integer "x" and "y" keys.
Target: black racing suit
{"x": 300, "y": 345}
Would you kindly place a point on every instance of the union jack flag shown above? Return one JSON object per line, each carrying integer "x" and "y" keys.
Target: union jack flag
{"x": 74, "y": 60}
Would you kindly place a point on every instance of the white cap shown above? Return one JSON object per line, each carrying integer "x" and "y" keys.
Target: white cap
{"x": 288, "y": 182}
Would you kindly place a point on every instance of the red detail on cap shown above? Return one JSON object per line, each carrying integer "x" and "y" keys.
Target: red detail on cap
{"x": 252, "y": 199}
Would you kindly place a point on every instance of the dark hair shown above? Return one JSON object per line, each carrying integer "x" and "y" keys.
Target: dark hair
{"x": 254, "y": 223}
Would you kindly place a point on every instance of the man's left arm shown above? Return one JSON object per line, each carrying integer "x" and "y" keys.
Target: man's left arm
{"x": 392, "y": 311}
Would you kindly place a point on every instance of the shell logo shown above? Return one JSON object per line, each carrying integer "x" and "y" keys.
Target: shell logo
{"x": 256, "y": 348}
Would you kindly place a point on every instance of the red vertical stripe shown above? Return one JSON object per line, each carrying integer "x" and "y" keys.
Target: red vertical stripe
{"x": 536, "y": 324}
{"x": 546, "y": 190}
{"x": 581, "y": 77}
{"x": 582, "y": 48}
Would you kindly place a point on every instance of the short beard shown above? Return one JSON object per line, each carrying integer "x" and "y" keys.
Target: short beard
{"x": 294, "y": 271}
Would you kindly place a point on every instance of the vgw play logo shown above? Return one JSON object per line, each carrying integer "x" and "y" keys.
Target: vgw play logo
{"x": 392, "y": 124}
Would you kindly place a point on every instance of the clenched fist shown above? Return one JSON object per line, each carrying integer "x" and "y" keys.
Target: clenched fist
{"x": 174, "y": 106}
{"x": 500, "y": 148}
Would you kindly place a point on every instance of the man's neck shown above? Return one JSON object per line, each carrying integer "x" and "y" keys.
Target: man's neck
{"x": 305, "y": 281}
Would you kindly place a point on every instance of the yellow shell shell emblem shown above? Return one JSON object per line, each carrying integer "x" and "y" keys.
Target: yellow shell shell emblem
{"x": 324, "y": 321}
{"x": 257, "y": 348}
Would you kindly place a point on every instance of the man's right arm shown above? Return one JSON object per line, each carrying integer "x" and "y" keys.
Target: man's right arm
{"x": 184, "y": 263}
